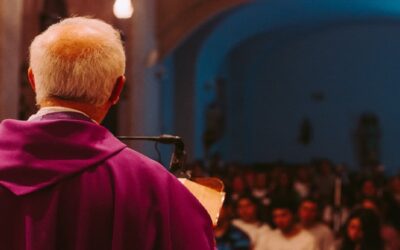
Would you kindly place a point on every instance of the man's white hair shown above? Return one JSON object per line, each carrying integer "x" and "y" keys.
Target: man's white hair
{"x": 77, "y": 59}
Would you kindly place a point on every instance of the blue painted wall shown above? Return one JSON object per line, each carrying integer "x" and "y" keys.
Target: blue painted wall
{"x": 271, "y": 79}
{"x": 275, "y": 54}
{"x": 260, "y": 17}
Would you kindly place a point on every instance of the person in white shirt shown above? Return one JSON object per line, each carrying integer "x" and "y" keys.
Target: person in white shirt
{"x": 308, "y": 216}
{"x": 247, "y": 210}
{"x": 289, "y": 235}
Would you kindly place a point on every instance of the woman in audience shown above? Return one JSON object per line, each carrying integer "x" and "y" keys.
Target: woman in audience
{"x": 389, "y": 234}
{"x": 362, "y": 231}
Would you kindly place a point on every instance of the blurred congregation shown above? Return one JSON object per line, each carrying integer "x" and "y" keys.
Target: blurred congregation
{"x": 340, "y": 208}
{"x": 293, "y": 104}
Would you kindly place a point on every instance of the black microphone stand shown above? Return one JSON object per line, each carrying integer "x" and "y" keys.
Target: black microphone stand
{"x": 177, "y": 163}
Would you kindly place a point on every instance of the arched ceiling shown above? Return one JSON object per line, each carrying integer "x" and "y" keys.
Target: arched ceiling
{"x": 265, "y": 16}
{"x": 174, "y": 20}
{"x": 177, "y": 19}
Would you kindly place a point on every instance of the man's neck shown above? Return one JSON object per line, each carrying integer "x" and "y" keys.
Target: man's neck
{"x": 291, "y": 231}
{"x": 309, "y": 225}
{"x": 96, "y": 113}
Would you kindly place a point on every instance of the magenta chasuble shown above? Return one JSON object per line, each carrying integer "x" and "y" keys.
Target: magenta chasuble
{"x": 68, "y": 183}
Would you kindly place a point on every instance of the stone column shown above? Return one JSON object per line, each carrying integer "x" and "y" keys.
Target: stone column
{"x": 10, "y": 40}
{"x": 141, "y": 114}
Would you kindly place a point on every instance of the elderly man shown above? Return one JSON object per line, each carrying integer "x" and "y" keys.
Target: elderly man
{"x": 68, "y": 183}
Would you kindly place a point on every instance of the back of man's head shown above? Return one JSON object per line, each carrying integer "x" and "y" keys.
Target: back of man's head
{"x": 78, "y": 59}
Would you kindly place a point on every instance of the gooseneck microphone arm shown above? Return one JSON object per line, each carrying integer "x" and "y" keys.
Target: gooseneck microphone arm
{"x": 177, "y": 162}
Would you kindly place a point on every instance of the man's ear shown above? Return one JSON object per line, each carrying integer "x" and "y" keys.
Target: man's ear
{"x": 31, "y": 79}
{"x": 119, "y": 85}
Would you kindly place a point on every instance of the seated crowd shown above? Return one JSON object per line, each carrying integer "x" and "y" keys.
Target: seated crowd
{"x": 305, "y": 207}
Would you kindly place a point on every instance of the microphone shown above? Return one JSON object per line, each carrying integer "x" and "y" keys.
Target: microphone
{"x": 165, "y": 139}
{"x": 178, "y": 157}
{"x": 209, "y": 191}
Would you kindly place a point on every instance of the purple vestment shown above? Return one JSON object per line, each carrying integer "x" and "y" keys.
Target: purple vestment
{"x": 68, "y": 183}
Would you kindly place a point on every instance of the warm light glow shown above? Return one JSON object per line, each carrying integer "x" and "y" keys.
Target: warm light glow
{"x": 123, "y": 9}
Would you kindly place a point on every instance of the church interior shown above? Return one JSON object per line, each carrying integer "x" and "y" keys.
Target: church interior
{"x": 296, "y": 81}
{"x": 263, "y": 93}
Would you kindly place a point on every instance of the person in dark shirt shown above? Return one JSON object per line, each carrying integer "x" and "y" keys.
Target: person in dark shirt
{"x": 228, "y": 236}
